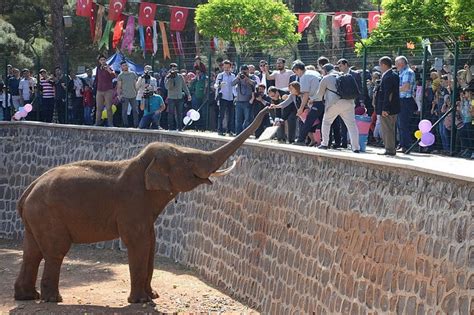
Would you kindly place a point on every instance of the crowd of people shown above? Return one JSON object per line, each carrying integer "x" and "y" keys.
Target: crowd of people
{"x": 310, "y": 105}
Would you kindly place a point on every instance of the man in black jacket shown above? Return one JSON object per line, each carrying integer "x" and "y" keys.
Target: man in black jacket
{"x": 388, "y": 104}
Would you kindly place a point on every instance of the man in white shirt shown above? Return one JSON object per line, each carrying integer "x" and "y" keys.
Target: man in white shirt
{"x": 281, "y": 75}
{"x": 225, "y": 98}
{"x": 335, "y": 106}
{"x": 26, "y": 87}
{"x": 77, "y": 85}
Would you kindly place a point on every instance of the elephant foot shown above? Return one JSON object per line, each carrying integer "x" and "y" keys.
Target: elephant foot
{"x": 24, "y": 295}
{"x": 139, "y": 298}
{"x": 152, "y": 294}
{"x": 51, "y": 297}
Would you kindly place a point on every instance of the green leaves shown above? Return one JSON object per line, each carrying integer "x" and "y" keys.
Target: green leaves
{"x": 250, "y": 24}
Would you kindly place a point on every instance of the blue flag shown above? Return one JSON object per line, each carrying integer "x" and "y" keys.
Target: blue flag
{"x": 363, "y": 27}
{"x": 142, "y": 38}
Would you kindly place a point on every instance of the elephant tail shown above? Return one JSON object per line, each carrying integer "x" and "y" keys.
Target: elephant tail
{"x": 23, "y": 197}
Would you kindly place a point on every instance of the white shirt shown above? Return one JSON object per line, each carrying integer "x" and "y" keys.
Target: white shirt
{"x": 26, "y": 88}
{"x": 282, "y": 78}
{"x": 78, "y": 86}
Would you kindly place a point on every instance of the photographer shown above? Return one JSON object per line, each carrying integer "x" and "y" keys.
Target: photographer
{"x": 105, "y": 90}
{"x": 146, "y": 86}
{"x": 245, "y": 88}
{"x": 258, "y": 103}
{"x": 176, "y": 85}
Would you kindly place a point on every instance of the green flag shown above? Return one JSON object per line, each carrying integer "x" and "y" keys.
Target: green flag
{"x": 105, "y": 37}
{"x": 322, "y": 27}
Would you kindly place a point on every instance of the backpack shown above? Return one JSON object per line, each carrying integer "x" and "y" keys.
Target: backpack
{"x": 346, "y": 87}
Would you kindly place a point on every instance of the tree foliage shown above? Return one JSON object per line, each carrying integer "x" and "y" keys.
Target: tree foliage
{"x": 250, "y": 25}
{"x": 12, "y": 45}
{"x": 404, "y": 21}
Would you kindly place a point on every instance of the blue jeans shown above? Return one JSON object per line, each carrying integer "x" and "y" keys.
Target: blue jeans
{"x": 88, "y": 116}
{"x": 445, "y": 139}
{"x": 226, "y": 115}
{"x": 152, "y": 118}
{"x": 407, "y": 107}
{"x": 243, "y": 116}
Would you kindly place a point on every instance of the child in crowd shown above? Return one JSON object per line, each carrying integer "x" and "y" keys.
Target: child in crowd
{"x": 466, "y": 132}
{"x": 88, "y": 103}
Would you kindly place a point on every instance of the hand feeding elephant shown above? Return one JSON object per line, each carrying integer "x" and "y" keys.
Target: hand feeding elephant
{"x": 92, "y": 201}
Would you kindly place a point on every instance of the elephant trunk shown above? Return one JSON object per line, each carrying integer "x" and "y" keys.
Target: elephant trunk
{"x": 221, "y": 154}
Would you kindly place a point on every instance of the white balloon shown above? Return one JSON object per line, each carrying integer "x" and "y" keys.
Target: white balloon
{"x": 187, "y": 120}
{"x": 195, "y": 115}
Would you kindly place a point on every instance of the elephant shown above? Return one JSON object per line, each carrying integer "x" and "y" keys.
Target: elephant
{"x": 93, "y": 201}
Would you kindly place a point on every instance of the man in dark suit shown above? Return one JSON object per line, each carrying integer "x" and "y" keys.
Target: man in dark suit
{"x": 388, "y": 104}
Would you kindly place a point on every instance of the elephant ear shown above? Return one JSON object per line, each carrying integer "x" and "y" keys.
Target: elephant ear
{"x": 156, "y": 178}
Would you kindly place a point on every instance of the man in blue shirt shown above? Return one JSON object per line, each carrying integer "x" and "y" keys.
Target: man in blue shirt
{"x": 407, "y": 101}
{"x": 225, "y": 98}
{"x": 245, "y": 87}
{"x": 152, "y": 111}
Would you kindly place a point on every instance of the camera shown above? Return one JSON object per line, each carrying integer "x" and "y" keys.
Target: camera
{"x": 172, "y": 74}
{"x": 242, "y": 75}
{"x": 146, "y": 76}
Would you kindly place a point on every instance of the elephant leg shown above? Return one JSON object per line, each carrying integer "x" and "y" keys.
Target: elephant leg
{"x": 138, "y": 247}
{"x": 151, "y": 266}
{"x": 25, "y": 283}
{"x": 56, "y": 248}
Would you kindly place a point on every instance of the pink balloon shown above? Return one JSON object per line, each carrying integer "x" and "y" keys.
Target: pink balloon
{"x": 23, "y": 113}
{"x": 28, "y": 108}
{"x": 425, "y": 126}
{"x": 17, "y": 116}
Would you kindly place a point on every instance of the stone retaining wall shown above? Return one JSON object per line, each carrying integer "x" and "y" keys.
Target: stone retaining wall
{"x": 289, "y": 233}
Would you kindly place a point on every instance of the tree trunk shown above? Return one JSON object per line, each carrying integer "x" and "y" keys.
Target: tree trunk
{"x": 57, "y": 26}
{"x": 302, "y": 6}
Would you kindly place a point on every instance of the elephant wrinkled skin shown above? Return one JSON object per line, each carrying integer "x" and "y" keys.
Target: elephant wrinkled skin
{"x": 92, "y": 201}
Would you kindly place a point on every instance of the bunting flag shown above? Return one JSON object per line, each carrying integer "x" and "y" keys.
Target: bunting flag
{"x": 362, "y": 27}
{"x": 349, "y": 36}
{"x": 141, "y": 33}
{"x": 335, "y": 32}
{"x": 322, "y": 27}
{"x": 425, "y": 42}
{"x": 149, "y": 39}
{"x": 374, "y": 20}
{"x": 127, "y": 42}
{"x": 196, "y": 41}
{"x": 146, "y": 15}
{"x": 118, "y": 31}
{"x": 92, "y": 21}
{"x": 84, "y": 7}
{"x": 304, "y": 20}
{"x": 98, "y": 24}
{"x": 179, "y": 44}
{"x": 116, "y": 9}
{"x": 105, "y": 37}
{"x": 213, "y": 43}
{"x": 164, "y": 39}
{"x": 174, "y": 44}
{"x": 178, "y": 18}
{"x": 343, "y": 18}
{"x": 155, "y": 38}
{"x": 410, "y": 45}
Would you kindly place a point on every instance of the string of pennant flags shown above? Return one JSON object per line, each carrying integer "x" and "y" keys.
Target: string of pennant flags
{"x": 149, "y": 29}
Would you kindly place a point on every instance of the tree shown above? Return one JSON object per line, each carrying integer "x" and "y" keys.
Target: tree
{"x": 10, "y": 42}
{"x": 58, "y": 33}
{"x": 251, "y": 25}
{"x": 411, "y": 21}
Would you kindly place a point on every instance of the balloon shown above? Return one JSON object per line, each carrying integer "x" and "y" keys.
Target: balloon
{"x": 188, "y": 114}
{"x": 428, "y": 138}
{"x": 195, "y": 115}
{"x": 104, "y": 112}
{"x": 418, "y": 134}
{"x": 187, "y": 120}
{"x": 21, "y": 108}
{"x": 23, "y": 113}
{"x": 28, "y": 108}
{"x": 422, "y": 144}
{"x": 17, "y": 116}
{"x": 425, "y": 126}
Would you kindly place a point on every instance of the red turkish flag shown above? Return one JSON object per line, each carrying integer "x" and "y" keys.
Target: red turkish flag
{"x": 178, "y": 18}
{"x": 147, "y": 14}
{"x": 149, "y": 39}
{"x": 343, "y": 18}
{"x": 83, "y": 7}
{"x": 92, "y": 20}
{"x": 304, "y": 20}
{"x": 374, "y": 19}
{"x": 116, "y": 9}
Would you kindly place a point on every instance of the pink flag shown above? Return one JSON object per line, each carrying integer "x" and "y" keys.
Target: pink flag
{"x": 343, "y": 18}
{"x": 127, "y": 42}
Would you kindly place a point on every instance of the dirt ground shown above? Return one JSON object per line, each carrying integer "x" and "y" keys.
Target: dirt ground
{"x": 97, "y": 281}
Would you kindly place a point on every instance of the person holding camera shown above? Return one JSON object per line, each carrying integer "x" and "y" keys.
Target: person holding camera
{"x": 243, "y": 110}
{"x": 127, "y": 93}
{"x": 145, "y": 86}
{"x": 176, "y": 85}
{"x": 105, "y": 91}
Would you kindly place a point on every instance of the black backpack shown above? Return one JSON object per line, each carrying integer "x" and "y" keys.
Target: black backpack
{"x": 347, "y": 87}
